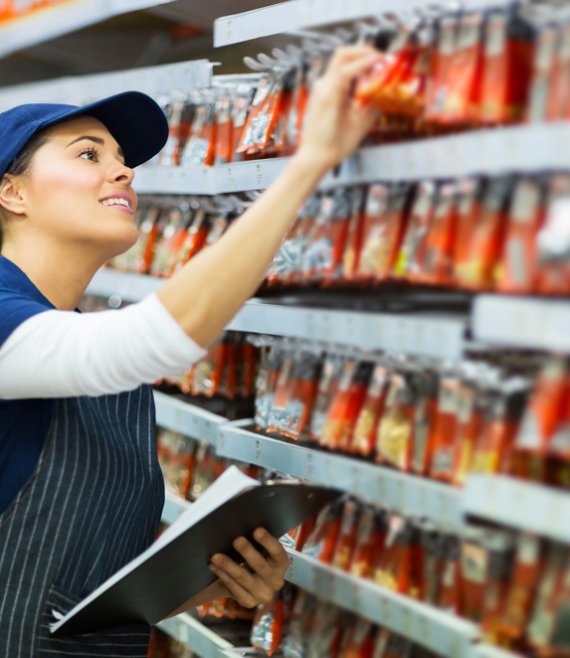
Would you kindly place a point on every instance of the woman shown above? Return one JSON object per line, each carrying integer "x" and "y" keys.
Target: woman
{"x": 81, "y": 492}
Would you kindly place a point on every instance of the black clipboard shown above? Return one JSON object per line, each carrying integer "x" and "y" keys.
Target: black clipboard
{"x": 179, "y": 570}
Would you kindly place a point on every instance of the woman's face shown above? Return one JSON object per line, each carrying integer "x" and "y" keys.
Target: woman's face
{"x": 78, "y": 189}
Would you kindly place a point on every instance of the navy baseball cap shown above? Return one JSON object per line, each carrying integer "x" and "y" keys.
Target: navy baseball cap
{"x": 134, "y": 119}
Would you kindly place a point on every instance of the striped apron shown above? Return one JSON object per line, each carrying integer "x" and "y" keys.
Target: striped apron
{"x": 93, "y": 503}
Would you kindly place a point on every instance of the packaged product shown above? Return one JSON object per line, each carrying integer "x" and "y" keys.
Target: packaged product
{"x": 394, "y": 440}
{"x": 559, "y": 98}
{"x": 152, "y": 223}
{"x": 393, "y": 566}
{"x": 481, "y": 236}
{"x": 470, "y": 404}
{"x": 440, "y": 78}
{"x": 322, "y": 541}
{"x": 257, "y": 133}
{"x": 206, "y": 470}
{"x": 518, "y": 270}
{"x": 278, "y": 417}
{"x": 434, "y": 545}
{"x": 425, "y": 386}
{"x": 345, "y": 406}
{"x": 207, "y": 373}
{"x": 370, "y": 538}
{"x": 177, "y": 455}
{"x": 359, "y": 640}
{"x": 364, "y": 436}
{"x": 191, "y": 238}
{"x": 267, "y": 627}
{"x": 445, "y": 429}
{"x": 242, "y": 98}
{"x": 542, "y": 74}
{"x": 328, "y": 385}
{"x": 326, "y": 632}
{"x": 298, "y": 637}
{"x": 178, "y": 111}
{"x": 305, "y": 378}
{"x": 200, "y": 147}
{"x": 266, "y": 383}
{"x": 347, "y": 536}
{"x": 451, "y": 581}
{"x": 167, "y": 244}
{"x": 353, "y": 248}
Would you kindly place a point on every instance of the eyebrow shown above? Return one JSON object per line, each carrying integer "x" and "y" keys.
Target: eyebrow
{"x": 97, "y": 140}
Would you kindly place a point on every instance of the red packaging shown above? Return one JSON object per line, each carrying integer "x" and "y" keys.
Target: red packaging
{"x": 360, "y": 641}
{"x": 247, "y": 359}
{"x": 322, "y": 541}
{"x": 178, "y": 112}
{"x": 384, "y": 225}
{"x": 347, "y": 536}
{"x": 425, "y": 384}
{"x": 462, "y": 98}
{"x": 468, "y": 212}
{"x": 207, "y": 373}
{"x": 394, "y": 439}
{"x": 266, "y": 384}
{"x": 436, "y": 261}
{"x": 191, "y": 239}
{"x": 445, "y": 429}
{"x": 507, "y": 67}
{"x": 542, "y": 76}
{"x": 364, "y": 437}
{"x": 301, "y": 625}
{"x": 267, "y": 627}
{"x": 224, "y": 147}
{"x": 303, "y": 391}
{"x": 283, "y": 391}
{"x": 166, "y": 249}
{"x": 177, "y": 455}
{"x": 345, "y": 406}
{"x": 370, "y": 538}
{"x": 559, "y": 98}
{"x": 393, "y": 566}
{"x": 434, "y": 558}
{"x": 451, "y": 582}
{"x": 469, "y": 424}
{"x": 410, "y": 252}
{"x": 262, "y": 119}
{"x": 322, "y": 259}
{"x": 326, "y": 633}
{"x": 328, "y": 384}
{"x": 351, "y": 256}
{"x": 522, "y": 589}
{"x": 139, "y": 257}
{"x": 553, "y": 276}
{"x": 481, "y": 237}
{"x": 201, "y": 144}
{"x": 439, "y": 84}
{"x": 518, "y": 271}
{"x": 241, "y": 103}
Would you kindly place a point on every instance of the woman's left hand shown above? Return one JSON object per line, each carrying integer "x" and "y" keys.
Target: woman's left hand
{"x": 256, "y": 581}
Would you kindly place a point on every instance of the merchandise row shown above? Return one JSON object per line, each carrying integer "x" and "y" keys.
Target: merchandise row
{"x": 507, "y": 234}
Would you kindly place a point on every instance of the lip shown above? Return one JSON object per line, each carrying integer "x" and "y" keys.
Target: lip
{"x": 121, "y": 195}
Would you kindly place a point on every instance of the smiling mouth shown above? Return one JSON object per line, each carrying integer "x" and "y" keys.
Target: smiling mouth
{"x": 117, "y": 202}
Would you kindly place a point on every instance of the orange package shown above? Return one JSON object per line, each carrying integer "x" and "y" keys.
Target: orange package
{"x": 139, "y": 257}
{"x": 470, "y": 403}
{"x": 201, "y": 144}
{"x": 425, "y": 385}
{"x": 242, "y": 99}
{"x": 258, "y": 131}
{"x": 451, "y": 582}
{"x": 227, "y": 387}
{"x": 267, "y": 627}
{"x": 207, "y": 373}
{"x": 370, "y": 538}
{"x": 224, "y": 146}
{"x": 481, "y": 236}
{"x": 553, "y": 276}
{"x": 445, "y": 429}
{"x": 468, "y": 211}
{"x": 394, "y": 440}
{"x": 347, "y": 536}
{"x": 247, "y": 360}
{"x": 541, "y": 419}
{"x": 177, "y": 111}
{"x": 493, "y": 451}
{"x": 542, "y": 76}
{"x": 559, "y": 96}
{"x": 191, "y": 239}
{"x": 294, "y": 117}
{"x": 461, "y": 105}
{"x": 363, "y": 440}
{"x": 176, "y": 455}
{"x": 410, "y": 252}
{"x": 474, "y": 568}
{"x": 353, "y": 249}
{"x": 283, "y": 389}
{"x": 518, "y": 270}
{"x": 322, "y": 259}
{"x": 359, "y": 642}
{"x": 435, "y": 265}
{"x": 321, "y": 542}
{"x": 439, "y": 82}
{"x": 393, "y": 565}
{"x": 382, "y": 231}
{"x": 166, "y": 248}
{"x": 305, "y": 378}
{"x": 328, "y": 385}
{"x": 345, "y": 406}
{"x": 266, "y": 384}
{"x": 521, "y": 593}
{"x": 499, "y": 573}
{"x": 297, "y": 242}
{"x": 432, "y": 574}
{"x": 326, "y": 634}
{"x": 507, "y": 67}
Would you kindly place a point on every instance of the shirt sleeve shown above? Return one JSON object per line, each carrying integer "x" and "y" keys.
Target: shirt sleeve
{"x": 66, "y": 354}
{"x": 14, "y": 310}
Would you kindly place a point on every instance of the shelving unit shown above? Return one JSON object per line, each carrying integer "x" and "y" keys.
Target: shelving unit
{"x": 198, "y": 637}
{"x": 153, "y": 80}
{"x": 295, "y": 15}
{"x": 519, "y": 504}
{"x": 399, "y": 492}
{"x": 499, "y": 151}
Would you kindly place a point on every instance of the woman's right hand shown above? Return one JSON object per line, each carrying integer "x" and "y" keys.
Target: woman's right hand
{"x": 336, "y": 124}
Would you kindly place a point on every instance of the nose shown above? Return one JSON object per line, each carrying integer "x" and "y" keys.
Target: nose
{"x": 120, "y": 173}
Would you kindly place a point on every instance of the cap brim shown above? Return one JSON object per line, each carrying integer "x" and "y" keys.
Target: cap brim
{"x": 134, "y": 119}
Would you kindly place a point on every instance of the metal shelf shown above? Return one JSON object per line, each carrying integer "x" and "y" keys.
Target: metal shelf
{"x": 439, "y": 631}
{"x": 78, "y": 90}
{"x": 298, "y": 14}
{"x": 522, "y": 322}
{"x": 435, "y": 336}
{"x": 406, "y": 494}
{"x": 186, "y": 418}
{"x": 488, "y": 651}
{"x": 527, "y": 148}
{"x": 191, "y": 633}
{"x": 519, "y": 504}
{"x": 52, "y": 22}
{"x": 174, "y": 506}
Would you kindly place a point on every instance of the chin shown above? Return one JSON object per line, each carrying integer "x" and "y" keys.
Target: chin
{"x": 122, "y": 241}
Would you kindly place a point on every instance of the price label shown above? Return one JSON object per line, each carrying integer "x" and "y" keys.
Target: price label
{"x": 258, "y": 451}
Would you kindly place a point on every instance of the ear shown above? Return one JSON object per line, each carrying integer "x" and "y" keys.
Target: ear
{"x": 11, "y": 197}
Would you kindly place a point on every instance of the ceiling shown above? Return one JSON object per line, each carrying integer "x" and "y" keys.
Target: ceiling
{"x": 178, "y": 31}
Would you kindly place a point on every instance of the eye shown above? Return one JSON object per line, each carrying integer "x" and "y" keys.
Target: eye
{"x": 89, "y": 154}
